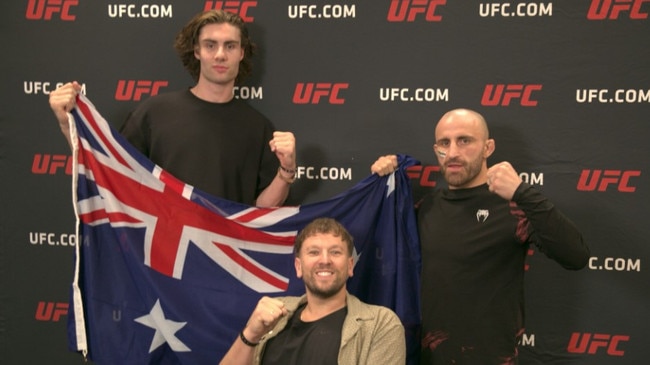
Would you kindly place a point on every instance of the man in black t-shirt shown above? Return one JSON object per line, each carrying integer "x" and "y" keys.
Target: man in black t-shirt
{"x": 474, "y": 237}
{"x": 327, "y": 325}
{"x": 203, "y": 135}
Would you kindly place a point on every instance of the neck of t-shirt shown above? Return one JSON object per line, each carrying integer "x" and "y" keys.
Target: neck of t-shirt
{"x": 213, "y": 93}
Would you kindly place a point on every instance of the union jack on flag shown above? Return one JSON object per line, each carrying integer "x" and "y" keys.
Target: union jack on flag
{"x": 167, "y": 274}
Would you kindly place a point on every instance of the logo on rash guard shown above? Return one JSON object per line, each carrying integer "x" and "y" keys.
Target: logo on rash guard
{"x": 482, "y": 215}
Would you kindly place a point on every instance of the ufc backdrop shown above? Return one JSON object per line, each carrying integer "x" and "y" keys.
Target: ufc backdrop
{"x": 564, "y": 86}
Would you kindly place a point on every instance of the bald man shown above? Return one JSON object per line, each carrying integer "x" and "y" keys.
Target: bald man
{"x": 474, "y": 236}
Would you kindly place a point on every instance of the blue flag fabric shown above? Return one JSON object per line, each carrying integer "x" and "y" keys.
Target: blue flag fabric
{"x": 166, "y": 274}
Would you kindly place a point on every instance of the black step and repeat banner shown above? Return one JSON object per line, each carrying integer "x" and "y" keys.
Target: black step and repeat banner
{"x": 564, "y": 85}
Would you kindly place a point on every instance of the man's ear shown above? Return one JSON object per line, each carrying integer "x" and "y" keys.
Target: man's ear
{"x": 298, "y": 265}
{"x": 351, "y": 267}
{"x": 490, "y": 146}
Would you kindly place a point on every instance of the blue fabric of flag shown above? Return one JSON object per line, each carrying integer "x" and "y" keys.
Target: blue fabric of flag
{"x": 166, "y": 274}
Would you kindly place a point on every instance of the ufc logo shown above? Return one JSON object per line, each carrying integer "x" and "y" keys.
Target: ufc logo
{"x": 236, "y": 7}
{"x": 424, "y": 174}
{"x": 591, "y": 343}
{"x": 133, "y": 90}
{"x": 311, "y": 93}
{"x": 591, "y": 180}
{"x": 50, "y": 164}
{"x": 611, "y": 9}
{"x": 50, "y": 311}
{"x": 501, "y": 94}
{"x": 45, "y": 9}
{"x": 407, "y": 10}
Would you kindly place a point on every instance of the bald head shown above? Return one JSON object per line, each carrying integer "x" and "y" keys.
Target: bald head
{"x": 462, "y": 147}
{"x": 466, "y": 117}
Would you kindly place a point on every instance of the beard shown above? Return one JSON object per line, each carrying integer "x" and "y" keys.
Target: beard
{"x": 462, "y": 178}
{"x": 322, "y": 291}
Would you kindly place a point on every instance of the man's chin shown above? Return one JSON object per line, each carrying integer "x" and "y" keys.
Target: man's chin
{"x": 455, "y": 179}
{"x": 325, "y": 293}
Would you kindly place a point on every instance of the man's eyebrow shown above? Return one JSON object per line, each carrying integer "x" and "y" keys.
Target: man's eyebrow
{"x": 210, "y": 40}
{"x": 464, "y": 136}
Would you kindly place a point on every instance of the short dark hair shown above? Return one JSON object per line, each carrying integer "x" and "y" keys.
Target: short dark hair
{"x": 188, "y": 38}
{"x": 324, "y": 225}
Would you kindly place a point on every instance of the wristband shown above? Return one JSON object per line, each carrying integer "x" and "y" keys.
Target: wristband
{"x": 288, "y": 180}
{"x": 288, "y": 171}
{"x": 245, "y": 340}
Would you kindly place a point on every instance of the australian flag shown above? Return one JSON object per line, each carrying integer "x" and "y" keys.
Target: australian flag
{"x": 166, "y": 274}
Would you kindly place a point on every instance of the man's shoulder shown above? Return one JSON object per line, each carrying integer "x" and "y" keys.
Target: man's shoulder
{"x": 430, "y": 197}
{"x": 249, "y": 109}
{"x": 165, "y": 99}
{"x": 357, "y": 305}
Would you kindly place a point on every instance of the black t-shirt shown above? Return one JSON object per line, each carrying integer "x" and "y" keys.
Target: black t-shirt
{"x": 312, "y": 343}
{"x": 220, "y": 148}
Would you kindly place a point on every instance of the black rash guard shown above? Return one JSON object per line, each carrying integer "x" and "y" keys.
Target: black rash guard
{"x": 474, "y": 244}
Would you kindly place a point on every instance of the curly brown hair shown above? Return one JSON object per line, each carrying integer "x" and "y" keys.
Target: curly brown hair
{"x": 187, "y": 41}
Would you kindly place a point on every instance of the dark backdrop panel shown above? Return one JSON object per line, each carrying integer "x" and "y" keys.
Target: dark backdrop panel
{"x": 564, "y": 85}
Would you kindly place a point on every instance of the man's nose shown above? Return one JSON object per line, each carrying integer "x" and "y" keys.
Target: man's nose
{"x": 220, "y": 52}
{"x": 453, "y": 150}
{"x": 325, "y": 257}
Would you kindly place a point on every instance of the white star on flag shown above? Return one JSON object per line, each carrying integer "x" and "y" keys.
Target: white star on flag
{"x": 165, "y": 329}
